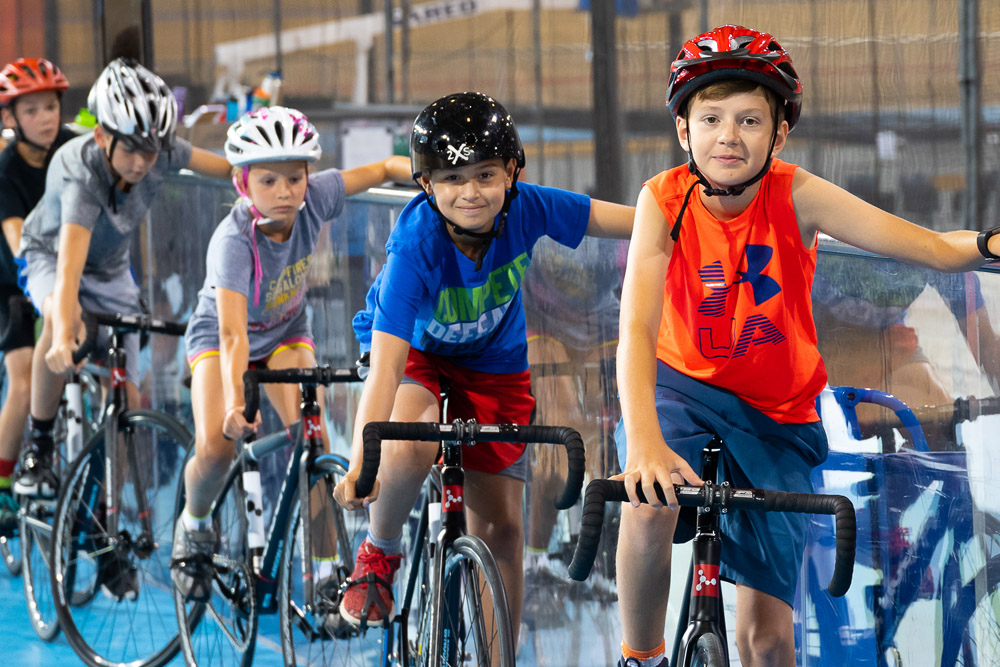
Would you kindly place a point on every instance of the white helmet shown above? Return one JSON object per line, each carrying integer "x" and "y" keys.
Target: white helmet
{"x": 135, "y": 105}
{"x": 272, "y": 134}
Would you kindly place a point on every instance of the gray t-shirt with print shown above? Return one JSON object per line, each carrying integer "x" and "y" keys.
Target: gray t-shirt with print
{"x": 284, "y": 265}
{"x": 78, "y": 190}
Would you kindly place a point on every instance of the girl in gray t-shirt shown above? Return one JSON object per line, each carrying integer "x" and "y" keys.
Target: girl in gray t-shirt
{"x": 251, "y": 308}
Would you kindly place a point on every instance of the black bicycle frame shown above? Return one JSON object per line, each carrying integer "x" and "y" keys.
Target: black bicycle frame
{"x": 267, "y": 561}
{"x": 703, "y": 614}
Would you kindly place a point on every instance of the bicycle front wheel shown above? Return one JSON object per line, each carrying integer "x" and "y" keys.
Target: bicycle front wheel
{"x": 123, "y": 550}
{"x": 10, "y": 551}
{"x": 222, "y": 632}
{"x": 474, "y": 622}
{"x": 708, "y": 652}
{"x": 312, "y": 630}
{"x": 36, "y": 540}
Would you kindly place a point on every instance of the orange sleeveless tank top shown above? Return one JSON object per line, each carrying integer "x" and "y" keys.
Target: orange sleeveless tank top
{"x": 737, "y": 309}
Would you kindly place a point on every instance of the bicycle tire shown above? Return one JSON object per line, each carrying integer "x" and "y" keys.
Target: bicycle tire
{"x": 222, "y": 631}
{"x": 304, "y": 641}
{"x": 417, "y": 634}
{"x": 708, "y": 652}
{"x": 35, "y": 527}
{"x": 127, "y": 632}
{"x": 10, "y": 551}
{"x": 484, "y": 636}
{"x": 36, "y": 540}
{"x": 978, "y": 642}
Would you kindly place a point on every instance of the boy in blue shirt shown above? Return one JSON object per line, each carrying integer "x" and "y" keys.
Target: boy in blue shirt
{"x": 446, "y": 310}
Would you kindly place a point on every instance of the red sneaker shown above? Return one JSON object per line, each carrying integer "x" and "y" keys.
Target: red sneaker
{"x": 368, "y": 597}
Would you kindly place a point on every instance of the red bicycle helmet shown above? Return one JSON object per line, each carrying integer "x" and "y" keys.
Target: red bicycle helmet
{"x": 734, "y": 52}
{"x": 30, "y": 75}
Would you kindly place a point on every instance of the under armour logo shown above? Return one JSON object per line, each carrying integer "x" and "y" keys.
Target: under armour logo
{"x": 713, "y": 276}
{"x": 764, "y": 287}
{"x": 461, "y": 153}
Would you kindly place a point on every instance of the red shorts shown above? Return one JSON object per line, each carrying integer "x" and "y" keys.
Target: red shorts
{"x": 489, "y": 398}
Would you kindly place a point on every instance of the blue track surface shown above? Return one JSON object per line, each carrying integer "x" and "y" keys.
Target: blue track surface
{"x": 22, "y": 648}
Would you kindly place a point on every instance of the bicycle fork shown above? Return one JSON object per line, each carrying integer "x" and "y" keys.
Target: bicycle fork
{"x": 704, "y": 613}
{"x": 447, "y": 620}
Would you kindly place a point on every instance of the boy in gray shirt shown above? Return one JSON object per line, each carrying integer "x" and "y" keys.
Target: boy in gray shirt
{"x": 75, "y": 243}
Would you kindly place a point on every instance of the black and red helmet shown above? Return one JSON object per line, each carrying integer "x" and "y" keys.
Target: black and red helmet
{"x": 734, "y": 52}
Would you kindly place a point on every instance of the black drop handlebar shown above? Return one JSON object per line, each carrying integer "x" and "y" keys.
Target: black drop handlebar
{"x": 319, "y": 375}
{"x": 466, "y": 432}
{"x": 600, "y": 491}
{"x": 122, "y": 324}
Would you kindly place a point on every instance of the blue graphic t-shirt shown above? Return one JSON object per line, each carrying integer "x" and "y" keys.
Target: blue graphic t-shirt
{"x": 429, "y": 293}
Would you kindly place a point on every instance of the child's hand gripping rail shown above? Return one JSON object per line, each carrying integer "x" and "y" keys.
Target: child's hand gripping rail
{"x": 376, "y": 432}
{"x": 722, "y": 496}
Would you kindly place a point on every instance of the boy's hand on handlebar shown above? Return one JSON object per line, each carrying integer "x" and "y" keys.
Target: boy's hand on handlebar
{"x": 59, "y": 358}
{"x": 344, "y": 492}
{"x": 235, "y": 424}
{"x": 660, "y": 464}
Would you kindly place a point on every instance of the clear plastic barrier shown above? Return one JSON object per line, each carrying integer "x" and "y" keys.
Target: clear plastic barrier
{"x": 925, "y": 587}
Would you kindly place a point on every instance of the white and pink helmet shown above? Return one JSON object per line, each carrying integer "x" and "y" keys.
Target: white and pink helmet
{"x": 272, "y": 134}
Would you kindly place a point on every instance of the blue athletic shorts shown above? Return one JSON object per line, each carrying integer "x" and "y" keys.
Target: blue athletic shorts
{"x": 760, "y": 550}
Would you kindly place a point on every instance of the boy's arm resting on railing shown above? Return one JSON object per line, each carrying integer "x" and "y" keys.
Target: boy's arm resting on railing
{"x": 359, "y": 179}
{"x": 209, "y": 164}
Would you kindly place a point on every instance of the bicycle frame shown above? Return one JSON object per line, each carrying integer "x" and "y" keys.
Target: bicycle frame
{"x": 309, "y": 449}
{"x": 306, "y": 435}
{"x": 453, "y": 526}
{"x": 704, "y": 613}
{"x": 451, "y": 497}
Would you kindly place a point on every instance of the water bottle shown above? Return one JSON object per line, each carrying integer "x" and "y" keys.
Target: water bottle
{"x": 433, "y": 523}
{"x": 255, "y": 512}
{"x": 74, "y": 418}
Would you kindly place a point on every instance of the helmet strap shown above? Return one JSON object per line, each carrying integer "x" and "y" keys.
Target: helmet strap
{"x": 115, "y": 176}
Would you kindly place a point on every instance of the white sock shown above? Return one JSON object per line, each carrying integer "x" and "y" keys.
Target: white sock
{"x": 195, "y": 523}
{"x": 388, "y": 547}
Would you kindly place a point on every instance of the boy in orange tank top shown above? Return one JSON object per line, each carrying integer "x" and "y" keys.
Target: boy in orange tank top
{"x": 727, "y": 345}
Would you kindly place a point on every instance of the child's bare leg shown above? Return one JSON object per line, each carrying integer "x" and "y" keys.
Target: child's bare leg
{"x": 205, "y": 472}
{"x": 404, "y": 464}
{"x": 46, "y": 386}
{"x": 643, "y": 565}
{"x": 14, "y": 413}
{"x": 764, "y": 631}
{"x": 493, "y": 510}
